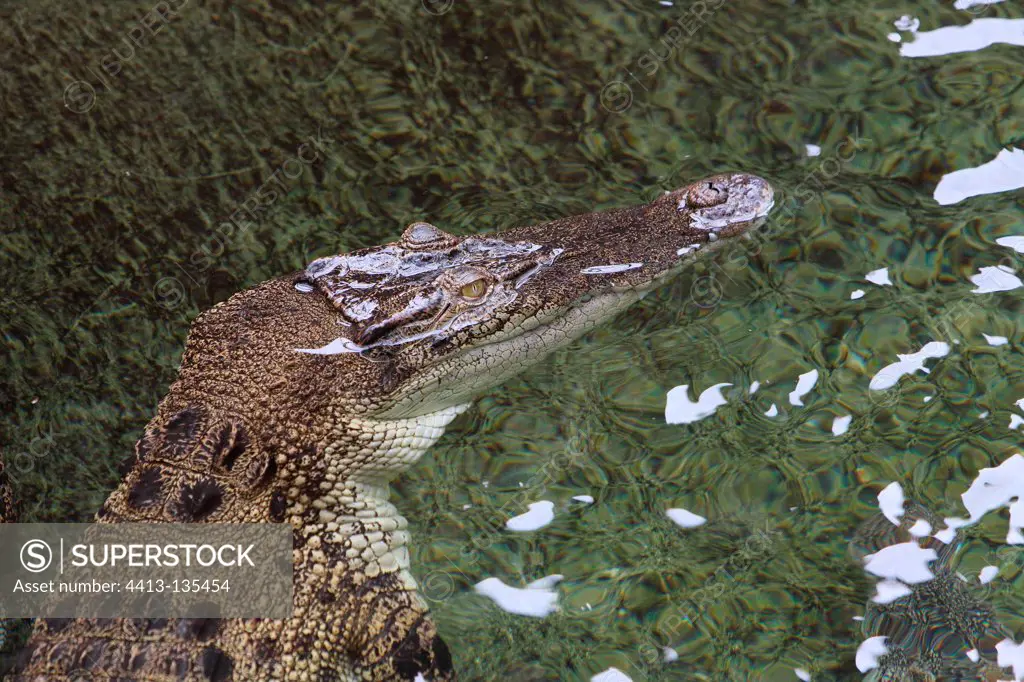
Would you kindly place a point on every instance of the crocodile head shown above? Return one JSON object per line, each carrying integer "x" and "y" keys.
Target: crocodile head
{"x": 429, "y": 321}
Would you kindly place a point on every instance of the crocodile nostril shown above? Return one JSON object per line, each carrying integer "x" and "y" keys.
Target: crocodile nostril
{"x": 706, "y": 194}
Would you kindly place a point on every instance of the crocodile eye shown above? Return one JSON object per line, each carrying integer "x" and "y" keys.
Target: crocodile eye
{"x": 474, "y": 289}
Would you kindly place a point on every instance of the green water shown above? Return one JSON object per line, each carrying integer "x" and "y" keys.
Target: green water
{"x": 485, "y": 114}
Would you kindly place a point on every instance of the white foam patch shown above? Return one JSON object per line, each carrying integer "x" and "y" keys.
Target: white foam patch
{"x": 804, "y": 384}
{"x": 687, "y": 249}
{"x": 585, "y": 499}
{"x": 335, "y": 347}
{"x": 754, "y": 387}
{"x": 538, "y": 599}
{"x": 976, "y": 35}
{"x": 973, "y": 655}
{"x": 538, "y": 515}
{"x": 773, "y": 411}
{"x": 1002, "y": 174}
{"x": 1015, "y": 421}
{"x": 905, "y": 561}
{"x": 685, "y": 519}
{"x": 995, "y": 278}
{"x": 879, "y": 277}
{"x": 907, "y": 23}
{"x": 920, "y": 529}
{"x": 841, "y": 425}
{"x": 813, "y": 150}
{"x": 802, "y": 674}
{"x": 888, "y": 591}
{"x": 948, "y": 534}
{"x": 967, "y": 4}
{"x": 857, "y": 293}
{"x": 889, "y": 375}
{"x": 611, "y": 675}
{"x": 680, "y": 410}
{"x": 890, "y": 502}
{"x": 996, "y": 340}
{"x": 1011, "y": 655}
{"x": 548, "y": 582}
{"x": 994, "y": 488}
{"x": 869, "y": 652}
{"x": 988, "y": 574}
{"x": 610, "y": 269}
{"x": 1015, "y": 243}
{"x": 668, "y": 655}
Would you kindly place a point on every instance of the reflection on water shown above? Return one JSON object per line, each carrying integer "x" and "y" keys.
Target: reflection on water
{"x": 925, "y": 622}
{"x": 977, "y": 35}
{"x": 1002, "y": 174}
{"x": 671, "y": 498}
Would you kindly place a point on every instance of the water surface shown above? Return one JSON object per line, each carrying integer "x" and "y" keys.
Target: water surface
{"x": 123, "y": 164}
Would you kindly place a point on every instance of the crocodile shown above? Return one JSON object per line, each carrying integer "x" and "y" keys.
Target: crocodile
{"x": 929, "y": 631}
{"x": 298, "y": 400}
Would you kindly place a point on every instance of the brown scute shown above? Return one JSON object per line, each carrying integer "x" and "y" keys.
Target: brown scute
{"x": 57, "y": 625}
{"x": 147, "y": 490}
{"x": 266, "y": 649}
{"x": 278, "y": 506}
{"x": 236, "y": 451}
{"x": 216, "y": 665}
{"x": 197, "y": 629}
{"x": 198, "y": 501}
{"x": 442, "y": 655}
{"x": 137, "y": 661}
{"x": 182, "y": 431}
{"x": 91, "y": 655}
{"x": 260, "y": 471}
{"x": 422, "y": 652}
{"x": 232, "y": 443}
{"x": 154, "y": 625}
{"x": 8, "y": 511}
{"x": 143, "y": 449}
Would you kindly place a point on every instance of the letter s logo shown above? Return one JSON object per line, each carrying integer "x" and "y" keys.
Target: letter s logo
{"x": 36, "y": 556}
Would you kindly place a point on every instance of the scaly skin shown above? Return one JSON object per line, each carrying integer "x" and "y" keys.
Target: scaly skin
{"x": 299, "y": 399}
{"x": 7, "y": 510}
{"x": 7, "y": 513}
